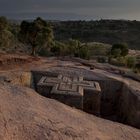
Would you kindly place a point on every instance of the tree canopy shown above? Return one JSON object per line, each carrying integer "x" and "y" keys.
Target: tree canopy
{"x": 119, "y": 50}
{"x": 6, "y": 36}
{"x": 37, "y": 33}
{"x": 3, "y": 23}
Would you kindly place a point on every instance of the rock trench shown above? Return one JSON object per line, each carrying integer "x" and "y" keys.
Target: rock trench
{"x": 119, "y": 102}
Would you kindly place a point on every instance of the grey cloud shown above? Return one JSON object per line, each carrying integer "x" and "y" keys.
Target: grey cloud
{"x": 71, "y": 9}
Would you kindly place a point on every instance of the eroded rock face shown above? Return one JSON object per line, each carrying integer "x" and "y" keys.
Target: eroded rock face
{"x": 118, "y": 101}
{"x": 130, "y": 106}
{"x": 25, "y": 115}
{"x": 21, "y": 78}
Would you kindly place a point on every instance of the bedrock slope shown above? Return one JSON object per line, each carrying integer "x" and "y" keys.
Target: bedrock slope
{"x": 25, "y": 115}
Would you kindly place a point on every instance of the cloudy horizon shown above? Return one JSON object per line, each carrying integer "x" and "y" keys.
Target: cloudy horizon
{"x": 71, "y": 9}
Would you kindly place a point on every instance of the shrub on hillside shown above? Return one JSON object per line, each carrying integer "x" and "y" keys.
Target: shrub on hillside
{"x": 84, "y": 53}
{"x": 117, "y": 62}
{"x": 137, "y": 68}
{"x": 118, "y": 50}
{"x": 131, "y": 62}
{"x": 44, "y": 52}
{"x": 103, "y": 59}
{"x": 60, "y": 49}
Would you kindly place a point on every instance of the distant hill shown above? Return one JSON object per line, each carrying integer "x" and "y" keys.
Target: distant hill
{"x": 105, "y": 31}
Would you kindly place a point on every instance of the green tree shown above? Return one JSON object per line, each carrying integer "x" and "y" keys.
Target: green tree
{"x": 74, "y": 47}
{"x": 6, "y": 39}
{"x": 3, "y": 23}
{"x": 6, "y": 36}
{"x": 131, "y": 61}
{"x": 60, "y": 49}
{"x": 37, "y": 34}
{"x": 119, "y": 50}
{"x": 77, "y": 49}
{"x": 84, "y": 52}
{"x": 116, "y": 52}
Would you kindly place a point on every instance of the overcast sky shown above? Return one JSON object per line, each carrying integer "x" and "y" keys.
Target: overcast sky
{"x": 71, "y": 9}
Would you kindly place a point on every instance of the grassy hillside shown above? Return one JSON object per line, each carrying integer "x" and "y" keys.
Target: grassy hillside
{"x": 105, "y": 31}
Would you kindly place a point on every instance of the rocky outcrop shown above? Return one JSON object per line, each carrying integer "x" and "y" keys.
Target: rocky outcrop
{"x": 25, "y": 115}
{"x": 12, "y": 61}
{"x": 22, "y": 78}
{"x": 119, "y": 102}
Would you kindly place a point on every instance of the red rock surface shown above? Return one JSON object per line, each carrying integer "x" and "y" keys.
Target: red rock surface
{"x": 25, "y": 115}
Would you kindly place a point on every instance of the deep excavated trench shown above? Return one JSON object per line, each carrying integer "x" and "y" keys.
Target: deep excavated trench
{"x": 118, "y": 101}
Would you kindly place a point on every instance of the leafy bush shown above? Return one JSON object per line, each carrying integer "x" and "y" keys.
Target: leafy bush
{"x": 56, "y": 50}
{"x": 102, "y": 59}
{"x": 98, "y": 49}
{"x": 7, "y": 38}
{"x": 118, "y": 62}
{"x": 131, "y": 61}
{"x": 118, "y": 50}
{"x": 60, "y": 49}
{"x": 44, "y": 52}
{"x": 136, "y": 69}
{"x": 84, "y": 53}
